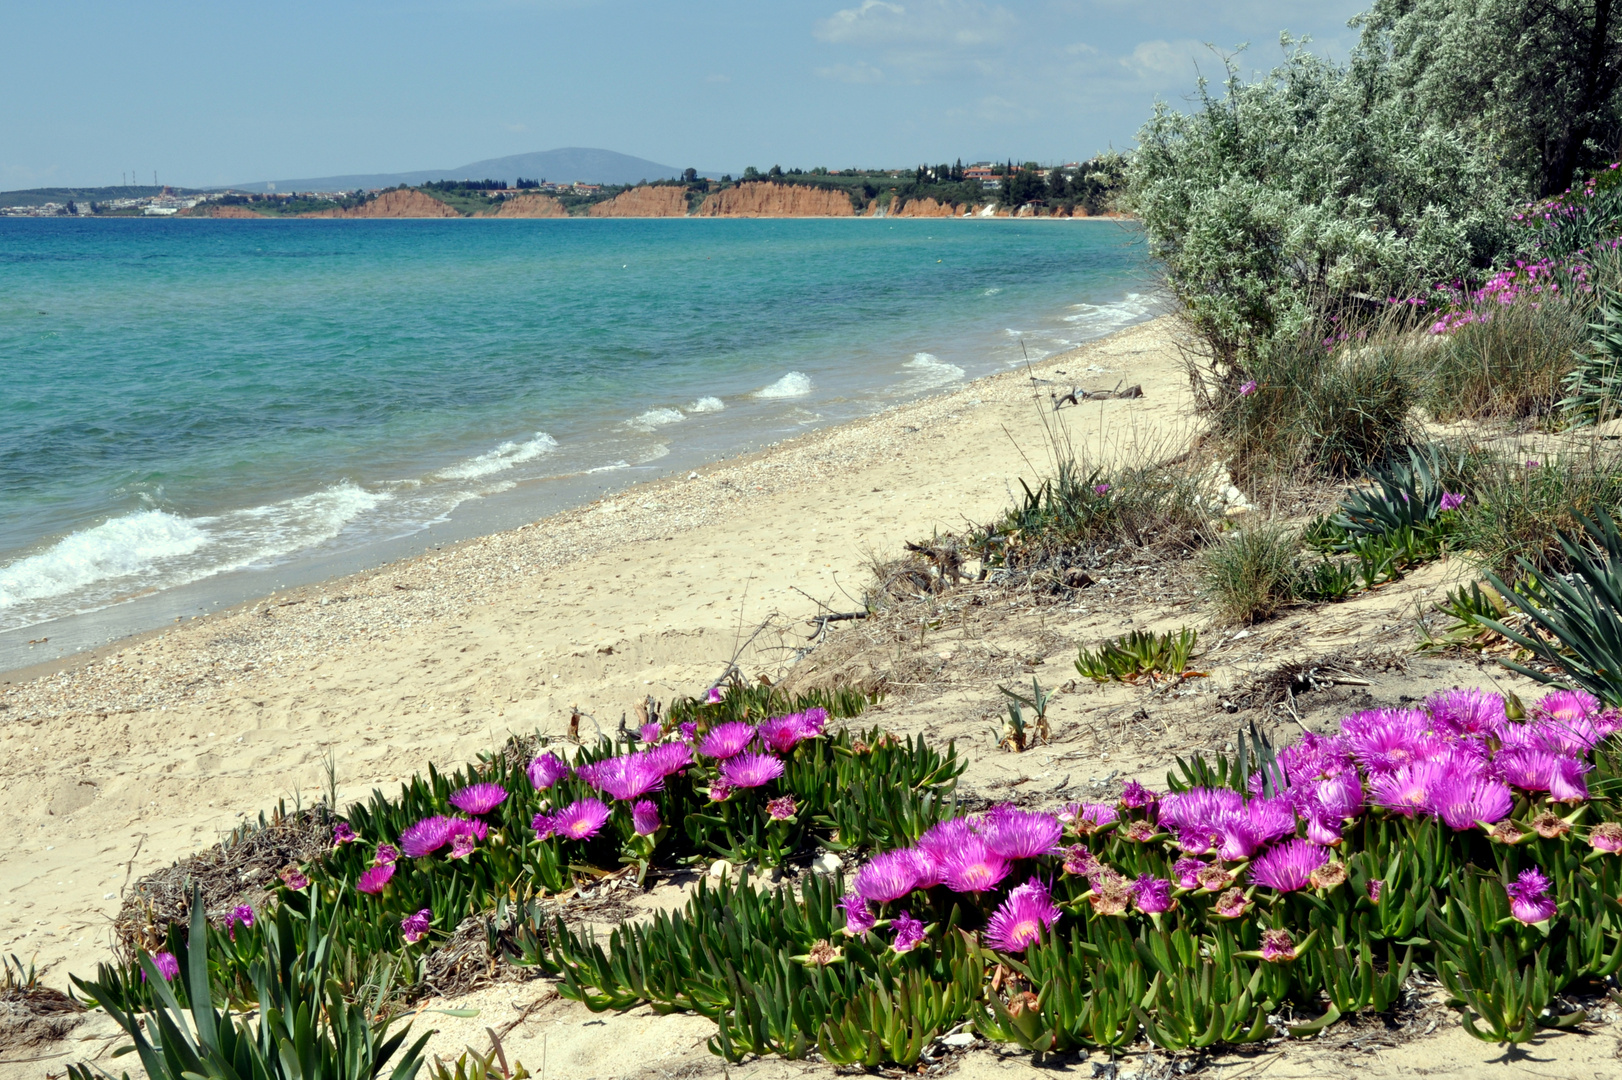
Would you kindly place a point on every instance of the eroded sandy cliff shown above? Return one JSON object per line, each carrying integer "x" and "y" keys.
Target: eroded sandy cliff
{"x": 666, "y": 200}
{"x": 777, "y": 200}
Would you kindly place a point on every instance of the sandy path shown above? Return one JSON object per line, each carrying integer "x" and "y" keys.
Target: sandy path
{"x": 166, "y": 744}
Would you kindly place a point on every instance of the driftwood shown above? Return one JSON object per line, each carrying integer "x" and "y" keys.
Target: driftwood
{"x": 1077, "y": 395}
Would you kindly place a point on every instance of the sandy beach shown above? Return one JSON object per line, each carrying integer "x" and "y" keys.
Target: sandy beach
{"x": 120, "y": 762}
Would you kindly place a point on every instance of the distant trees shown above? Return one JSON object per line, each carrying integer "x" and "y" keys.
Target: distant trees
{"x": 453, "y": 187}
{"x": 524, "y": 185}
{"x": 689, "y": 176}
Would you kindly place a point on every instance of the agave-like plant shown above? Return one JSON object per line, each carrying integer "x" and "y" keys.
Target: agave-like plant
{"x": 306, "y": 1028}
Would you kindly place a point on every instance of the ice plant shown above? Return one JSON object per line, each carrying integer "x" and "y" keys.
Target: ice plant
{"x": 581, "y": 819}
{"x": 1376, "y": 887}
{"x": 671, "y": 758}
{"x": 166, "y": 964}
{"x": 415, "y": 927}
{"x": 889, "y": 876}
{"x": 479, "y": 798}
{"x": 294, "y": 879}
{"x": 1247, "y": 388}
{"x": 781, "y": 809}
{"x": 1152, "y": 895}
{"x": 1467, "y": 713}
{"x": 713, "y": 696}
{"x": 1231, "y": 904}
{"x": 426, "y": 836}
{"x": 1134, "y": 796}
{"x": 1463, "y": 801}
{"x": 627, "y": 777}
{"x": 1100, "y": 489}
{"x": 546, "y": 770}
{"x": 1408, "y": 790}
{"x": 909, "y": 933}
{"x": 783, "y": 733}
{"x": 751, "y": 770}
{"x": 1020, "y": 834}
{"x": 971, "y": 867}
{"x": 726, "y": 740}
{"x": 1079, "y": 861}
{"x": 1187, "y": 872}
{"x": 645, "y": 818}
{"x": 1450, "y": 501}
{"x": 1088, "y": 818}
{"x": 719, "y": 790}
{"x": 1330, "y": 875}
{"x": 1288, "y": 866}
{"x": 1277, "y": 945}
{"x": 1022, "y": 918}
{"x": 375, "y": 878}
{"x": 1606, "y": 837}
{"x": 1529, "y": 899}
{"x": 859, "y": 917}
{"x": 1387, "y": 739}
{"x": 649, "y": 733}
{"x": 343, "y": 834}
{"x": 243, "y": 914}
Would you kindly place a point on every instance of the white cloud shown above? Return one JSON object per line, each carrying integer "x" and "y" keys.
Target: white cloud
{"x": 862, "y": 25}
{"x": 1159, "y": 60}
{"x": 952, "y": 24}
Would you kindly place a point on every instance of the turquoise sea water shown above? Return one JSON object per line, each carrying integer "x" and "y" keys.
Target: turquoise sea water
{"x": 182, "y": 400}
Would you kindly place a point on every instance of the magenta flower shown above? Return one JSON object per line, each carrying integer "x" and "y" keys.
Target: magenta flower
{"x": 909, "y": 933}
{"x": 1387, "y": 739}
{"x": 386, "y": 853}
{"x": 479, "y": 798}
{"x": 1408, "y": 790}
{"x": 813, "y": 721}
{"x": 1277, "y": 945}
{"x": 546, "y": 770}
{"x": 1543, "y": 770}
{"x": 465, "y": 835}
{"x": 1529, "y": 899}
{"x": 627, "y": 777}
{"x": 1467, "y": 713}
{"x": 726, "y": 740}
{"x": 751, "y": 770}
{"x": 1606, "y": 837}
{"x": 1247, "y": 388}
{"x": 1376, "y": 887}
{"x": 972, "y": 867}
{"x": 1020, "y": 834}
{"x": 1567, "y": 706}
{"x": 713, "y": 696}
{"x": 858, "y": 916}
{"x": 940, "y": 839}
{"x": 1323, "y": 830}
{"x": 1134, "y": 796}
{"x": 1100, "y": 489}
{"x": 1269, "y": 819}
{"x": 781, "y": 809}
{"x": 890, "y": 875}
{"x": 1090, "y": 817}
{"x": 1462, "y": 800}
{"x": 166, "y": 964}
{"x": 1187, "y": 872}
{"x": 1451, "y": 501}
{"x": 1152, "y": 895}
{"x": 243, "y": 914}
{"x": 426, "y": 836}
{"x": 649, "y": 733}
{"x": 374, "y": 879}
{"x": 645, "y": 818}
{"x": 1021, "y": 920}
{"x": 783, "y": 733}
{"x": 1288, "y": 866}
{"x": 293, "y": 879}
{"x": 671, "y": 758}
{"x": 415, "y": 927}
{"x": 581, "y": 819}
{"x": 719, "y": 790}
{"x": 343, "y": 834}
{"x": 1532, "y": 463}
{"x": 1079, "y": 861}
{"x": 688, "y": 731}
{"x": 1313, "y": 758}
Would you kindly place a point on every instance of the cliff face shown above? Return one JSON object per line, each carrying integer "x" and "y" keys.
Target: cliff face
{"x": 529, "y": 205}
{"x": 398, "y": 203}
{"x": 226, "y": 212}
{"x": 927, "y": 208}
{"x": 777, "y": 200}
{"x": 666, "y": 200}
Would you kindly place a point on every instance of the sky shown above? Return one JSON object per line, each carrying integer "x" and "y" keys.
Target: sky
{"x": 220, "y": 92}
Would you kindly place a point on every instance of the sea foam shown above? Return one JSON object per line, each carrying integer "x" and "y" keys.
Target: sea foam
{"x": 930, "y": 371}
{"x": 794, "y": 384}
{"x": 707, "y": 404}
{"x": 658, "y": 418}
{"x": 500, "y": 459}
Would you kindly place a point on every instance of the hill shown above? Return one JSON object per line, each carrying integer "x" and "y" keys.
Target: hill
{"x": 564, "y": 165}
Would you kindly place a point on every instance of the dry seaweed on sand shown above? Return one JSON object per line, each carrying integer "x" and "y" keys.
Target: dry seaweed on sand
{"x": 32, "y": 1014}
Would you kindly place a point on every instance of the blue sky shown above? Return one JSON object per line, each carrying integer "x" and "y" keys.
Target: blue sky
{"x": 222, "y": 91}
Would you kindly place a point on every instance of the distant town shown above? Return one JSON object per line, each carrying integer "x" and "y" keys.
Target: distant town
{"x": 1088, "y": 183}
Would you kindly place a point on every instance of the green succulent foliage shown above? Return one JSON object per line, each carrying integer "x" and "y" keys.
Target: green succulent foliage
{"x": 1577, "y": 617}
{"x": 1139, "y": 654}
{"x": 1593, "y": 388}
{"x": 307, "y": 1028}
{"x": 1405, "y": 496}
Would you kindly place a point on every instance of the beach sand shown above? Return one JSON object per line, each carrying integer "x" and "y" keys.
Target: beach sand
{"x": 120, "y": 762}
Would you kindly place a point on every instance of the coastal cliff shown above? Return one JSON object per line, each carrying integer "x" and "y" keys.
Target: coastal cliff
{"x": 528, "y": 205}
{"x": 927, "y": 207}
{"x": 665, "y": 200}
{"x": 777, "y": 200}
{"x": 226, "y": 211}
{"x": 397, "y": 203}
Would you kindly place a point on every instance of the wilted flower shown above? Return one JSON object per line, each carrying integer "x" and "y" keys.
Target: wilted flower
{"x": 1505, "y": 832}
{"x": 1111, "y": 891}
{"x": 726, "y": 740}
{"x": 166, "y": 964}
{"x": 1288, "y": 866}
{"x": 1079, "y": 861}
{"x": 858, "y": 916}
{"x": 546, "y": 770}
{"x": 386, "y": 853}
{"x": 1277, "y": 945}
{"x": 645, "y": 818}
{"x": 688, "y": 731}
{"x": 1330, "y": 875}
{"x": 1214, "y": 878}
{"x": 1022, "y": 918}
{"x": 909, "y": 933}
{"x": 719, "y": 790}
{"x": 1529, "y": 899}
{"x": 462, "y": 845}
{"x": 294, "y": 879}
{"x": 889, "y": 875}
{"x": 781, "y": 809}
{"x": 1231, "y": 904}
{"x": 375, "y": 878}
{"x": 1549, "y": 825}
{"x": 1187, "y": 872}
{"x": 1152, "y": 895}
{"x": 581, "y": 819}
{"x": 1139, "y": 832}
{"x": 1020, "y": 834}
{"x": 823, "y": 953}
{"x": 1606, "y": 837}
{"x": 1088, "y": 818}
{"x": 415, "y": 927}
{"x": 343, "y": 834}
{"x": 479, "y": 798}
{"x": 1451, "y": 501}
{"x": 1376, "y": 887}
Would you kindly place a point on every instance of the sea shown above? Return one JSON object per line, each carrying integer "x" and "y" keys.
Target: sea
{"x": 195, "y": 413}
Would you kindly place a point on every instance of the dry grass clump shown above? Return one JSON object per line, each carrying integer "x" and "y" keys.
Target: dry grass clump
{"x": 1519, "y": 504}
{"x": 32, "y": 1014}
{"x": 1253, "y": 574}
{"x": 1508, "y": 366}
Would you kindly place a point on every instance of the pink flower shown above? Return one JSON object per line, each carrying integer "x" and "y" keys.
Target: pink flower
{"x": 581, "y": 819}
{"x": 1277, "y": 945}
{"x": 343, "y": 834}
{"x": 479, "y": 798}
{"x": 1462, "y": 800}
{"x": 1376, "y": 887}
{"x": 713, "y": 696}
{"x": 386, "y": 853}
{"x": 1247, "y": 388}
{"x": 645, "y": 818}
{"x": 375, "y": 879}
{"x": 1152, "y": 895}
{"x": 166, "y": 964}
{"x": 293, "y": 879}
{"x": 1100, "y": 489}
{"x": 1451, "y": 501}
{"x": 1022, "y": 919}
{"x": 627, "y": 777}
{"x": 415, "y": 927}
{"x": 783, "y": 733}
{"x": 546, "y": 770}
{"x": 650, "y": 733}
{"x": 971, "y": 867}
{"x": 1288, "y": 866}
{"x": 909, "y": 933}
{"x": 726, "y": 740}
{"x": 1020, "y": 834}
{"x": 1529, "y": 899}
{"x": 751, "y": 770}
{"x": 890, "y": 875}
{"x": 1134, "y": 796}
{"x": 858, "y": 916}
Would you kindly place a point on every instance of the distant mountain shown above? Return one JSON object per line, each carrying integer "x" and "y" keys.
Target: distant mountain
{"x": 559, "y": 166}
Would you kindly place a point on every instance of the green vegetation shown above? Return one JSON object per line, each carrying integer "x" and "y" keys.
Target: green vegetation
{"x": 1138, "y": 655}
